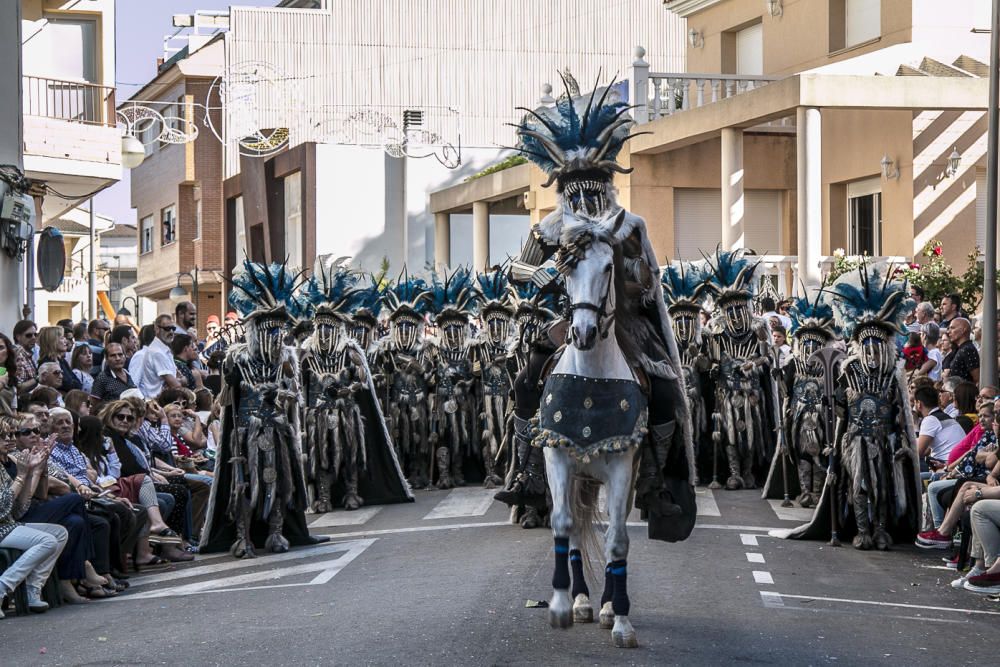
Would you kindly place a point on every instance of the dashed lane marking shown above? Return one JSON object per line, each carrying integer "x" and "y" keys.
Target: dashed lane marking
{"x": 748, "y": 540}
{"x": 344, "y": 518}
{"x": 771, "y": 599}
{"x": 707, "y": 506}
{"x": 762, "y": 577}
{"x": 877, "y": 603}
{"x": 463, "y": 502}
{"x": 753, "y": 557}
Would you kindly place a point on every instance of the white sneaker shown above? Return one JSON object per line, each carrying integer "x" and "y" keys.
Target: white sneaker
{"x": 36, "y": 604}
{"x": 974, "y": 572}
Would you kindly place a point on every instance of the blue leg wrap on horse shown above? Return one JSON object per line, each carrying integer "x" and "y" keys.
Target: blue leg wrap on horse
{"x": 560, "y": 578}
{"x": 579, "y": 581}
{"x": 619, "y": 600}
{"x": 609, "y": 586}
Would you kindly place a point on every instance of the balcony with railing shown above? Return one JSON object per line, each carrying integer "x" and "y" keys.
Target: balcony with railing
{"x": 76, "y": 101}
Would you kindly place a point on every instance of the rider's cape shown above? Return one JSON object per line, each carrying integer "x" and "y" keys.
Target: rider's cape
{"x": 645, "y": 335}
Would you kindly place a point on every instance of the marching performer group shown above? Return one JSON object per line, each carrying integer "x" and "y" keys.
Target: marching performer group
{"x": 349, "y": 390}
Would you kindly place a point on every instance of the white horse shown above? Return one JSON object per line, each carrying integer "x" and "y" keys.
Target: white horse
{"x": 592, "y": 369}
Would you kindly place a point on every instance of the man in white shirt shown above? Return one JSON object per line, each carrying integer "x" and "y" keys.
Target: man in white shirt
{"x": 770, "y": 310}
{"x": 158, "y": 370}
{"x": 924, "y": 315}
{"x": 938, "y": 431}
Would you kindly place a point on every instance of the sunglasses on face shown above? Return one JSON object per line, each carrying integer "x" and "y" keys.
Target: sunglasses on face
{"x": 128, "y": 419}
{"x": 29, "y": 431}
{"x": 33, "y": 334}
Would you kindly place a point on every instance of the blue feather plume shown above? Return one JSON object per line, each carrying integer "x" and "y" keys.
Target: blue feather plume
{"x": 871, "y": 295}
{"x": 733, "y": 271}
{"x": 368, "y": 298}
{"x": 456, "y": 294}
{"x": 259, "y": 288}
{"x": 493, "y": 286}
{"x": 816, "y": 314}
{"x": 410, "y": 294}
{"x": 684, "y": 283}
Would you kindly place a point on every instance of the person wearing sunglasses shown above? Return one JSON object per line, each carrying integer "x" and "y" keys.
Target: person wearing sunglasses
{"x": 53, "y": 346}
{"x": 8, "y": 376}
{"x": 25, "y": 349}
{"x": 158, "y": 370}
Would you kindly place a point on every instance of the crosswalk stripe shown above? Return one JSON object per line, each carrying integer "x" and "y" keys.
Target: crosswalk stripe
{"x": 706, "y": 502}
{"x": 799, "y": 514}
{"x": 344, "y": 518}
{"x": 462, "y": 502}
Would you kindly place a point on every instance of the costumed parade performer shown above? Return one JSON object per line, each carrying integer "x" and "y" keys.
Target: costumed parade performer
{"x": 873, "y": 488}
{"x": 454, "y": 433}
{"x": 685, "y": 290}
{"x": 746, "y": 417}
{"x": 535, "y": 314}
{"x": 805, "y": 419}
{"x": 366, "y": 304}
{"x": 350, "y": 458}
{"x": 495, "y": 367}
{"x": 259, "y": 493}
{"x": 404, "y": 368}
{"x": 576, "y": 143}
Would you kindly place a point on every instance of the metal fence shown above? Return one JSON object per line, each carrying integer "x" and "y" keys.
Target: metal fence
{"x": 70, "y": 100}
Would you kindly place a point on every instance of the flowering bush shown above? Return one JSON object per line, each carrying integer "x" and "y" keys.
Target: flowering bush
{"x": 935, "y": 276}
{"x": 842, "y": 264}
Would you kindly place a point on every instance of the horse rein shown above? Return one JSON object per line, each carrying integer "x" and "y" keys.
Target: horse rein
{"x": 605, "y": 318}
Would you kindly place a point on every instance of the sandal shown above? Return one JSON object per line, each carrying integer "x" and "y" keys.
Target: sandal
{"x": 152, "y": 564}
{"x": 165, "y": 536}
{"x": 86, "y": 590}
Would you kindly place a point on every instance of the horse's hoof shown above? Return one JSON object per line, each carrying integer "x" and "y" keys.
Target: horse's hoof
{"x": 582, "y": 611}
{"x": 623, "y": 634}
{"x": 276, "y": 543}
{"x": 607, "y": 616}
{"x": 322, "y": 506}
{"x": 882, "y": 539}
{"x": 734, "y": 483}
{"x": 492, "y": 482}
{"x": 242, "y": 549}
{"x": 445, "y": 483}
{"x": 863, "y": 541}
{"x": 806, "y": 501}
{"x": 352, "y": 501}
{"x": 561, "y": 610}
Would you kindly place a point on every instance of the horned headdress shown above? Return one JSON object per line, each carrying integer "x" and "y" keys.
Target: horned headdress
{"x": 871, "y": 299}
{"x": 732, "y": 274}
{"x": 331, "y": 291}
{"x": 264, "y": 292}
{"x": 685, "y": 286}
{"x": 455, "y": 298}
{"x": 813, "y": 316}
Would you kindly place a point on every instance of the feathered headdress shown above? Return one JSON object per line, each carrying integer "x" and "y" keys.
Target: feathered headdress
{"x": 264, "y": 290}
{"x": 408, "y": 296}
{"x": 456, "y": 297}
{"x": 733, "y": 274}
{"x": 685, "y": 285}
{"x": 812, "y": 316}
{"x": 529, "y": 298}
{"x": 871, "y": 296}
{"x": 367, "y": 302}
{"x": 331, "y": 289}
{"x": 578, "y": 134}
{"x": 494, "y": 291}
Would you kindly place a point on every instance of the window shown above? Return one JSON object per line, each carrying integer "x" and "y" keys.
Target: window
{"x": 750, "y": 50}
{"x": 862, "y": 21}
{"x": 293, "y": 219}
{"x": 864, "y": 217}
{"x": 168, "y": 225}
{"x": 241, "y": 231}
{"x": 146, "y": 235}
{"x": 197, "y": 219}
{"x": 61, "y": 48}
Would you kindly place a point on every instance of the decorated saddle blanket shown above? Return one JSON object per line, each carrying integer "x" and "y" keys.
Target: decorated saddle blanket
{"x": 590, "y": 416}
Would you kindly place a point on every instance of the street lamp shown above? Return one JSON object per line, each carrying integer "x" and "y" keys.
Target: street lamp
{"x": 696, "y": 39}
{"x": 133, "y": 152}
{"x": 774, "y": 7}
{"x": 122, "y": 310}
{"x": 954, "y": 162}
{"x": 178, "y": 293}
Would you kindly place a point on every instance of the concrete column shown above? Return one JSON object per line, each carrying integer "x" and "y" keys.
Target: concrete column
{"x": 442, "y": 240}
{"x": 11, "y": 270}
{"x": 480, "y": 235}
{"x": 732, "y": 188}
{"x": 809, "y": 159}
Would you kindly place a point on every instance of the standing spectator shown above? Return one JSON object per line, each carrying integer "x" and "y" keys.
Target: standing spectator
{"x": 8, "y": 377}
{"x": 212, "y": 327}
{"x": 158, "y": 369}
{"x": 52, "y": 348}
{"x": 97, "y": 330}
{"x": 914, "y": 353}
{"x": 930, "y": 334}
{"x": 147, "y": 334}
{"x": 79, "y": 331}
{"x": 82, "y": 362}
{"x": 767, "y": 305}
{"x": 951, "y": 308}
{"x": 186, "y": 316}
{"x": 185, "y": 352}
{"x": 231, "y": 318}
{"x": 917, "y": 294}
{"x": 113, "y": 378}
{"x": 939, "y": 432}
{"x": 924, "y": 314}
{"x": 782, "y": 349}
{"x": 124, "y": 335}
{"x": 962, "y": 363}
{"x": 26, "y": 337}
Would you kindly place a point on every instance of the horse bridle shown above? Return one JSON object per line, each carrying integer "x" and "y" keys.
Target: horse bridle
{"x": 604, "y": 318}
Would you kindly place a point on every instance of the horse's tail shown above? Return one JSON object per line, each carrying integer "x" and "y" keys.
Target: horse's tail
{"x": 586, "y": 512}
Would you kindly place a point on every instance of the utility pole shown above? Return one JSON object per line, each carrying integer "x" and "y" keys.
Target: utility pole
{"x": 988, "y": 353}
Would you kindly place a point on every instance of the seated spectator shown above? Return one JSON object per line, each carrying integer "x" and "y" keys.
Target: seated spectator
{"x": 40, "y": 544}
{"x": 97, "y": 330}
{"x": 40, "y": 411}
{"x": 78, "y": 401}
{"x": 966, "y": 398}
{"x": 938, "y": 431}
{"x": 52, "y": 348}
{"x": 47, "y": 395}
{"x": 25, "y": 337}
{"x": 915, "y": 354}
{"x": 113, "y": 378}
{"x": 82, "y": 363}
{"x": 946, "y": 397}
{"x": 985, "y": 575}
{"x": 125, "y": 336}
{"x": 185, "y": 351}
{"x": 930, "y": 334}
{"x": 8, "y": 377}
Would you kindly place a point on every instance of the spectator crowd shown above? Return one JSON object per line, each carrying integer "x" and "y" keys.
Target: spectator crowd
{"x": 107, "y": 442}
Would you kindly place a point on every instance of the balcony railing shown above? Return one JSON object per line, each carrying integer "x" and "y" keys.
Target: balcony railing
{"x": 784, "y": 270}
{"x": 660, "y": 94}
{"x": 69, "y": 100}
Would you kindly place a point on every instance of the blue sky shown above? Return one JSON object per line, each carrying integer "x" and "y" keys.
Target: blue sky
{"x": 139, "y": 30}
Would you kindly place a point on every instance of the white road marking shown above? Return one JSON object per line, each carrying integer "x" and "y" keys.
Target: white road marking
{"x": 462, "y": 502}
{"x": 748, "y": 540}
{"x": 771, "y": 599}
{"x": 762, "y": 577}
{"x": 706, "y": 502}
{"x": 327, "y": 569}
{"x": 753, "y": 557}
{"x": 888, "y": 604}
{"x": 344, "y": 518}
{"x": 755, "y": 529}
{"x": 799, "y": 514}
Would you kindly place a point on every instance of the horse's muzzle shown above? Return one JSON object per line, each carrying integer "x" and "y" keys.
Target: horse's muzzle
{"x": 583, "y": 336}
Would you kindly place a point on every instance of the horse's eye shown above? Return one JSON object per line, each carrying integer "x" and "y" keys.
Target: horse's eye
{"x": 607, "y": 269}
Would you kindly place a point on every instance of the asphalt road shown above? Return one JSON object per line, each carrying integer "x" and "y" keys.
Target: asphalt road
{"x": 444, "y": 581}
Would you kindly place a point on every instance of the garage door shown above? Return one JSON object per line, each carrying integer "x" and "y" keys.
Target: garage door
{"x": 698, "y": 226}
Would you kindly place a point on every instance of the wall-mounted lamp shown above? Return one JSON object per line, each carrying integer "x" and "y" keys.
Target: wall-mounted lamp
{"x": 774, "y": 7}
{"x": 888, "y": 169}
{"x": 695, "y": 39}
{"x": 954, "y": 162}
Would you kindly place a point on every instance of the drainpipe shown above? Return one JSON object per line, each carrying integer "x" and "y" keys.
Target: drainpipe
{"x": 92, "y": 274}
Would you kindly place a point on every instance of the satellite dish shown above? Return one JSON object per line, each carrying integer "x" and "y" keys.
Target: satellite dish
{"x": 51, "y": 258}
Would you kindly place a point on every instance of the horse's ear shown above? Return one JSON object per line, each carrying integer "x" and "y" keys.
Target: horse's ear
{"x": 619, "y": 221}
